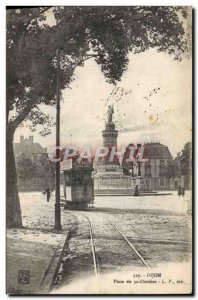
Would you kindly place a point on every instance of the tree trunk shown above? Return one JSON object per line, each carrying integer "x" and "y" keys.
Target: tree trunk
{"x": 13, "y": 210}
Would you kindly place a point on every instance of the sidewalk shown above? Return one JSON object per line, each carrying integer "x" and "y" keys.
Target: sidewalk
{"x": 34, "y": 252}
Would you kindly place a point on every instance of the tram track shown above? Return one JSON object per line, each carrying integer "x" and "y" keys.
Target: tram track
{"x": 96, "y": 263}
{"x": 132, "y": 247}
{"x": 93, "y": 247}
{"x": 101, "y": 246}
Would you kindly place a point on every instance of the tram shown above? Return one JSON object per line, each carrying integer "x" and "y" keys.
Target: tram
{"x": 78, "y": 183}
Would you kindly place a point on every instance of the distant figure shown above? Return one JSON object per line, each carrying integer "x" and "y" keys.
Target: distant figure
{"x": 179, "y": 190}
{"x": 183, "y": 191}
{"x": 110, "y": 113}
{"x": 136, "y": 193}
{"x": 47, "y": 191}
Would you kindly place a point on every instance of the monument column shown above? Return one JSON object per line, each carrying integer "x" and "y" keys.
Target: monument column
{"x": 110, "y": 134}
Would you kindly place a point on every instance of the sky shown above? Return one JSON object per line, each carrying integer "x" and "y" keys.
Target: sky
{"x": 153, "y": 104}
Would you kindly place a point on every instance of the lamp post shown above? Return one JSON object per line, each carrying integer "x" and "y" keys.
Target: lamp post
{"x": 57, "y": 224}
{"x": 132, "y": 171}
{"x": 139, "y": 163}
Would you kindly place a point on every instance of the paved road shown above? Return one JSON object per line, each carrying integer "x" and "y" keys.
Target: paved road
{"x": 157, "y": 226}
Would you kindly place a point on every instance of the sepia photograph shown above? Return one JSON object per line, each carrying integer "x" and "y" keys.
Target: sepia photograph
{"x": 99, "y": 150}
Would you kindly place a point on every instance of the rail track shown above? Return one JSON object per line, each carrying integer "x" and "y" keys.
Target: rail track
{"x": 93, "y": 247}
{"x": 111, "y": 250}
{"x": 104, "y": 259}
{"x": 125, "y": 239}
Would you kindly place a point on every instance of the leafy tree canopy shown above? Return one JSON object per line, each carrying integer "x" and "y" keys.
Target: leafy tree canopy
{"x": 185, "y": 159}
{"x": 111, "y": 32}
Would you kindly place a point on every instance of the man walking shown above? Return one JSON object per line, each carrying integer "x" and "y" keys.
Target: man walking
{"x": 179, "y": 190}
{"x": 47, "y": 191}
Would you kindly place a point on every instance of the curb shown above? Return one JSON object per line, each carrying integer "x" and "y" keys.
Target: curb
{"x": 52, "y": 270}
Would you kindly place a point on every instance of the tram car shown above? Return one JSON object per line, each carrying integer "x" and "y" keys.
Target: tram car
{"x": 78, "y": 184}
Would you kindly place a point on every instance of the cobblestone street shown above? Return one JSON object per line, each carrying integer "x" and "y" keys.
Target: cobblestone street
{"x": 157, "y": 226}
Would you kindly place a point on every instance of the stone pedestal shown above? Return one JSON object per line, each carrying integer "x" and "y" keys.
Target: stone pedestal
{"x": 110, "y": 135}
{"x": 109, "y": 175}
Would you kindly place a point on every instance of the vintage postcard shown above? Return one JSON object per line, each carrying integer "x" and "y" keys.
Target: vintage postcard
{"x": 99, "y": 150}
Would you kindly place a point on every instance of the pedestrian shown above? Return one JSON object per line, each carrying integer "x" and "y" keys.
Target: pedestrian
{"x": 47, "y": 192}
{"x": 179, "y": 190}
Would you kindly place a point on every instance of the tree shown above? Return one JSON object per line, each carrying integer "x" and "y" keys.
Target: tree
{"x": 172, "y": 168}
{"x": 25, "y": 168}
{"x": 184, "y": 159}
{"x": 111, "y": 32}
{"x": 30, "y": 81}
{"x": 39, "y": 166}
{"x": 181, "y": 165}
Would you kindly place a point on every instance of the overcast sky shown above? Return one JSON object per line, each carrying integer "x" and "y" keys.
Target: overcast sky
{"x": 157, "y": 107}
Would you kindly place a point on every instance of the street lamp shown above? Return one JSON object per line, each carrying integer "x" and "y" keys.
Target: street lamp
{"x": 139, "y": 163}
{"x": 132, "y": 170}
{"x": 57, "y": 224}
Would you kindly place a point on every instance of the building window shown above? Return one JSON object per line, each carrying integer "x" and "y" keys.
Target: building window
{"x": 162, "y": 162}
{"x": 148, "y": 183}
{"x": 154, "y": 151}
{"x": 163, "y": 170}
{"x": 162, "y": 182}
{"x": 148, "y": 170}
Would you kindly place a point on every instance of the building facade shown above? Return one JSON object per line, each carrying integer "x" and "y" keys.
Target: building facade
{"x": 35, "y": 172}
{"x": 153, "y": 174}
{"x": 28, "y": 149}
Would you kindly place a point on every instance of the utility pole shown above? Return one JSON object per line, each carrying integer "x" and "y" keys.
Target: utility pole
{"x": 139, "y": 169}
{"x": 132, "y": 170}
{"x": 139, "y": 163}
{"x": 57, "y": 224}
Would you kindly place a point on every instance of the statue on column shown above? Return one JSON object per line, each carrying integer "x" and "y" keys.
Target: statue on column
{"x": 110, "y": 113}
